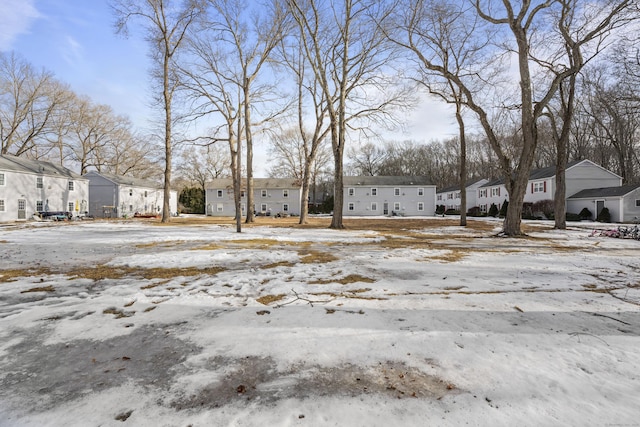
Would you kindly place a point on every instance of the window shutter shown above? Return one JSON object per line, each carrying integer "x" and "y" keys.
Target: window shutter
{"x": 545, "y": 186}
{"x": 532, "y": 188}
{"x": 498, "y": 191}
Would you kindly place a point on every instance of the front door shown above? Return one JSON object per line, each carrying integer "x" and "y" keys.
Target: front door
{"x": 22, "y": 209}
{"x": 385, "y": 208}
{"x": 599, "y": 207}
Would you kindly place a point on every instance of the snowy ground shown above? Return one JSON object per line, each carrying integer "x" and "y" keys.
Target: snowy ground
{"x": 131, "y": 323}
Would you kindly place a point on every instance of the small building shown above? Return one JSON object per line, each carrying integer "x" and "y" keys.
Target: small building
{"x": 116, "y": 196}
{"x": 579, "y": 175}
{"x": 271, "y": 196}
{"x": 33, "y": 187}
{"x": 450, "y": 197}
{"x": 622, "y": 202}
{"x": 388, "y": 195}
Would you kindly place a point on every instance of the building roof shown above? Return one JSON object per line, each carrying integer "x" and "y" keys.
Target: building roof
{"x": 540, "y": 173}
{"x": 456, "y": 187}
{"x": 283, "y": 183}
{"x": 386, "y": 180}
{"x": 24, "y": 165}
{"x": 127, "y": 180}
{"x": 605, "y": 192}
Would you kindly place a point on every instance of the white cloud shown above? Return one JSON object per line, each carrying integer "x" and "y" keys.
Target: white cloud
{"x": 17, "y": 16}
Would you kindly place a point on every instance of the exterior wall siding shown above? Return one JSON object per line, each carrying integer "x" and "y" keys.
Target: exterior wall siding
{"x": 110, "y": 199}
{"x": 54, "y": 195}
{"x": 220, "y": 201}
{"x": 371, "y": 200}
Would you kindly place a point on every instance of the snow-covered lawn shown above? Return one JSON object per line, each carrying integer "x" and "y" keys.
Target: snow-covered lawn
{"x": 131, "y": 323}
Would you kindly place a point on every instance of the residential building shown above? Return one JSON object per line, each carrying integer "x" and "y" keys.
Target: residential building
{"x": 579, "y": 175}
{"x": 388, "y": 195}
{"x": 117, "y": 196}
{"x": 271, "y": 196}
{"x": 623, "y": 202}
{"x": 450, "y": 197}
{"x": 28, "y": 187}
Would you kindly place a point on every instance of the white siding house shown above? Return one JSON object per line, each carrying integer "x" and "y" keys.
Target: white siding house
{"x": 579, "y": 175}
{"x": 29, "y": 186}
{"x": 450, "y": 197}
{"x": 623, "y": 202}
{"x": 114, "y": 196}
{"x": 271, "y": 196}
{"x": 388, "y": 195}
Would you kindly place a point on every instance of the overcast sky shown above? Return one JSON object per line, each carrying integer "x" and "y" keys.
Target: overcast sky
{"x": 75, "y": 40}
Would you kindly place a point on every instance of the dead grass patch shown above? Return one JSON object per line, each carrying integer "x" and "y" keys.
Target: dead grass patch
{"x": 268, "y": 299}
{"x": 119, "y": 314}
{"x": 159, "y": 244}
{"x": 12, "y": 275}
{"x": 351, "y": 278}
{"x": 40, "y": 289}
{"x": 453, "y": 255}
{"x": 316, "y": 257}
{"x": 278, "y": 264}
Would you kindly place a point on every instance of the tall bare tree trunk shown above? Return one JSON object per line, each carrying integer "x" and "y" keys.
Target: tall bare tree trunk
{"x": 463, "y": 166}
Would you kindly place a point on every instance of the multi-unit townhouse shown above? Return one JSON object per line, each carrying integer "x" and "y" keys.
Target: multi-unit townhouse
{"x": 580, "y": 175}
{"x": 116, "y": 196}
{"x": 623, "y": 202}
{"x": 271, "y": 196}
{"x": 450, "y": 197}
{"x": 388, "y": 195}
{"x": 29, "y": 187}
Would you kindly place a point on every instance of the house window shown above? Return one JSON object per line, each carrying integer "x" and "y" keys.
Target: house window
{"x": 420, "y": 206}
{"x": 374, "y": 206}
{"x": 351, "y": 191}
{"x": 1, "y": 205}
{"x": 420, "y": 191}
{"x": 396, "y": 206}
{"x": 219, "y": 207}
{"x": 243, "y": 207}
{"x": 70, "y": 207}
{"x": 70, "y": 185}
{"x": 458, "y": 195}
{"x": 637, "y": 203}
{"x": 449, "y": 196}
{"x": 285, "y": 193}
{"x": 495, "y": 191}
{"x": 1, "y": 179}
{"x": 351, "y": 206}
{"x": 439, "y": 197}
{"x": 396, "y": 191}
{"x": 374, "y": 191}
{"x": 538, "y": 187}
{"x": 285, "y": 207}
{"x": 242, "y": 194}
{"x": 39, "y": 206}
{"x": 39, "y": 183}
{"x": 130, "y": 208}
{"x": 263, "y": 207}
{"x": 131, "y": 192}
{"x": 482, "y": 193}
{"x": 145, "y": 193}
{"x": 263, "y": 193}
{"x": 219, "y": 193}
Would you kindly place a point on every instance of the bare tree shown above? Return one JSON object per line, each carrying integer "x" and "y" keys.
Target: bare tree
{"x": 230, "y": 49}
{"x": 312, "y": 104}
{"x": 449, "y": 32}
{"x": 166, "y": 23}
{"x": 347, "y": 52}
{"x": 29, "y": 103}
{"x": 366, "y": 159}
{"x": 584, "y": 30}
